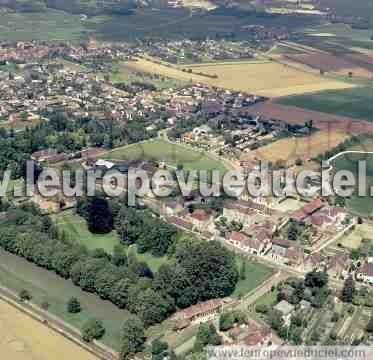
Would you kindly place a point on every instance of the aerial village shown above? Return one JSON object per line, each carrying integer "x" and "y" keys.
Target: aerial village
{"x": 312, "y": 257}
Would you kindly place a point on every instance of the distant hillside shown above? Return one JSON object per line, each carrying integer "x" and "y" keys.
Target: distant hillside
{"x": 88, "y": 7}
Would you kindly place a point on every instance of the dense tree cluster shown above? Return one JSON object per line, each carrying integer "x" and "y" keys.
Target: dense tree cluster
{"x": 200, "y": 271}
{"x": 143, "y": 228}
{"x": 206, "y": 335}
{"x": 64, "y": 135}
{"x": 313, "y": 289}
{"x": 228, "y": 319}
{"x": 196, "y": 271}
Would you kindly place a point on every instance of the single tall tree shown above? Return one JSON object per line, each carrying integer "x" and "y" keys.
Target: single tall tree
{"x": 348, "y": 290}
{"x": 100, "y": 219}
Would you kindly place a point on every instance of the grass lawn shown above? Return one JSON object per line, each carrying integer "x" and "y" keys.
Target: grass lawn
{"x": 172, "y": 154}
{"x": 356, "y": 102}
{"x": 76, "y": 228}
{"x": 360, "y": 205}
{"x": 354, "y": 238}
{"x": 18, "y": 274}
{"x": 256, "y": 273}
{"x": 269, "y": 299}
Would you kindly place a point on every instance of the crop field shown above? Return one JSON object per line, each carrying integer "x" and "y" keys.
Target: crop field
{"x": 336, "y": 37}
{"x": 23, "y": 338}
{"x": 355, "y": 103}
{"x": 321, "y": 120}
{"x": 162, "y": 69}
{"x": 267, "y": 78}
{"x": 337, "y": 64}
{"x": 290, "y": 149}
{"x": 263, "y": 78}
{"x": 172, "y": 154}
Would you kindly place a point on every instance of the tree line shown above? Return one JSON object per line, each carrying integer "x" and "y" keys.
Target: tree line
{"x": 195, "y": 270}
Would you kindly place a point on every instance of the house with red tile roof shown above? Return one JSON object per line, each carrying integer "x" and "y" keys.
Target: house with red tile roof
{"x": 287, "y": 252}
{"x": 202, "y": 220}
{"x": 313, "y": 262}
{"x": 365, "y": 273}
{"x": 201, "y": 312}
{"x": 338, "y": 265}
{"x": 249, "y": 334}
{"x": 307, "y": 210}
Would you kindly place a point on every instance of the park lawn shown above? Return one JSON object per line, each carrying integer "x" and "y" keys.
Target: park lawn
{"x": 256, "y": 274}
{"x": 76, "y": 229}
{"x": 269, "y": 299}
{"x": 172, "y": 154}
{"x": 355, "y": 102}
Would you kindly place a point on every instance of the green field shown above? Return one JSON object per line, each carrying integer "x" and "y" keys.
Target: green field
{"x": 172, "y": 154}
{"x": 164, "y": 23}
{"x": 75, "y": 228}
{"x": 360, "y": 205}
{"x": 362, "y": 8}
{"x": 256, "y": 273}
{"x": 340, "y": 34}
{"x": 356, "y": 102}
{"x": 123, "y": 74}
{"x": 17, "y": 274}
{"x": 49, "y": 25}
